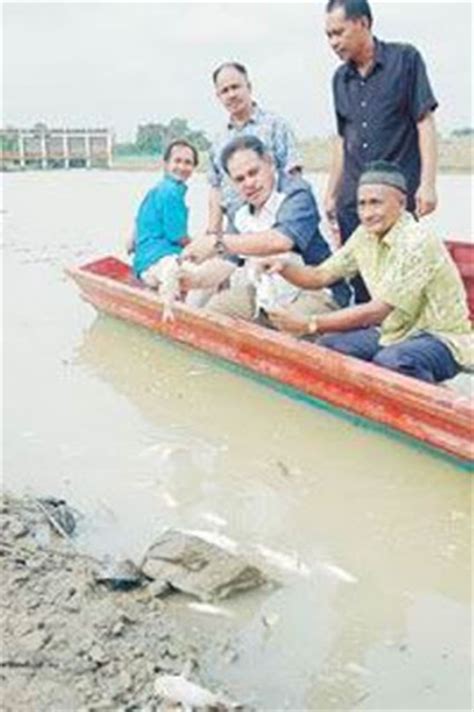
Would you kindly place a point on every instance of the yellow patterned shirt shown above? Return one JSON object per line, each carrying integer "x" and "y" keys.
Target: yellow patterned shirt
{"x": 411, "y": 270}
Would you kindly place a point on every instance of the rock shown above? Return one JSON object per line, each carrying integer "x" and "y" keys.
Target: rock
{"x": 157, "y": 588}
{"x": 117, "y": 629}
{"x": 121, "y": 575}
{"x": 97, "y": 654}
{"x": 33, "y": 603}
{"x": 125, "y": 680}
{"x": 15, "y": 528}
{"x": 60, "y": 516}
{"x": 194, "y": 566}
{"x": 72, "y": 606}
{"x": 106, "y": 704}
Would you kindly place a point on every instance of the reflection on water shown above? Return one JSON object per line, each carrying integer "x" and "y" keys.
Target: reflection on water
{"x": 369, "y": 537}
{"x": 381, "y": 530}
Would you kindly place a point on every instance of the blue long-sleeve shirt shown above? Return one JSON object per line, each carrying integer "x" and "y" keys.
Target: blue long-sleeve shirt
{"x": 161, "y": 223}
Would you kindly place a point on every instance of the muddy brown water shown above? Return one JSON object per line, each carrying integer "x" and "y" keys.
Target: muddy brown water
{"x": 369, "y": 536}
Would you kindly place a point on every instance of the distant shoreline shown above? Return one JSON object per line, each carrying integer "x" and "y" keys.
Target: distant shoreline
{"x": 156, "y": 167}
{"x": 456, "y": 155}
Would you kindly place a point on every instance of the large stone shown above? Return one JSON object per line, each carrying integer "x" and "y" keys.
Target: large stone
{"x": 189, "y": 564}
{"x": 61, "y": 517}
{"x": 118, "y": 575}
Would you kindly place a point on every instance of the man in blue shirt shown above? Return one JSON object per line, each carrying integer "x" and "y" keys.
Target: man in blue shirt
{"x": 161, "y": 226}
{"x": 279, "y": 215}
{"x": 384, "y": 108}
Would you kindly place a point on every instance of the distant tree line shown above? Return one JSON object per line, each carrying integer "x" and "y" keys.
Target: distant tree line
{"x": 463, "y": 132}
{"x": 152, "y": 139}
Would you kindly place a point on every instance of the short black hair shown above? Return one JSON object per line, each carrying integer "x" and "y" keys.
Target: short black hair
{"x": 230, "y": 65}
{"x": 353, "y": 9}
{"x": 181, "y": 142}
{"x": 242, "y": 143}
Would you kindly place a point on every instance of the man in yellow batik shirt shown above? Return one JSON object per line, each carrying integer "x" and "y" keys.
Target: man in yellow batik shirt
{"x": 417, "y": 321}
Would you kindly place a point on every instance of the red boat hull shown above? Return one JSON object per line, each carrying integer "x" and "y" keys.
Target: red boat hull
{"x": 433, "y": 415}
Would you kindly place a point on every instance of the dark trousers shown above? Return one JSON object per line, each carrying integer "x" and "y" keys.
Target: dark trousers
{"x": 423, "y": 356}
{"x": 348, "y": 220}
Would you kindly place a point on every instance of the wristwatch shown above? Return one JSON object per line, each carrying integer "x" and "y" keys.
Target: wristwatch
{"x": 219, "y": 247}
{"x": 313, "y": 325}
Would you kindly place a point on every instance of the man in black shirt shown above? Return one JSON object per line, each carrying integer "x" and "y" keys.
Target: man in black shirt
{"x": 384, "y": 111}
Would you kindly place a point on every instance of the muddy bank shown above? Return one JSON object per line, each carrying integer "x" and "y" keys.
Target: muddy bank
{"x": 72, "y": 643}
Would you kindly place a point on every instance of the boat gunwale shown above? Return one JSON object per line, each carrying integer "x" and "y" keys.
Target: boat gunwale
{"x": 447, "y": 412}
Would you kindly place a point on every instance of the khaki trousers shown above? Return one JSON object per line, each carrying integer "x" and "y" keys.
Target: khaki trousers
{"x": 239, "y": 302}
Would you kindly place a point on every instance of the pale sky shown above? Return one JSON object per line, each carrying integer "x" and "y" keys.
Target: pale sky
{"x": 121, "y": 64}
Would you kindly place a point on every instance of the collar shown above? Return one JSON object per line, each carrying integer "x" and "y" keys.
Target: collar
{"x": 253, "y": 118}
{"x": 398, "y": 230}
{"x": 176, "y": 182}
{"x": 350, "y": 68}
{"x": 270, "y": 204}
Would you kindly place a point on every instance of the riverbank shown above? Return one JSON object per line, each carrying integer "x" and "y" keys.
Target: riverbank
{"x": 456, "y": 155}
{"x": 70, "y": 642}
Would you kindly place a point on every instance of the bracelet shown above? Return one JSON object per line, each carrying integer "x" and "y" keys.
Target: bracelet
{"x": 313, "y": 325}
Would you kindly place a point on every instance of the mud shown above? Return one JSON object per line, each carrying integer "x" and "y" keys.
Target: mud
{"x": 70, "y": 643}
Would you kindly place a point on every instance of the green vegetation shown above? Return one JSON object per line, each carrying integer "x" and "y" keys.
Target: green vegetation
{"x": 463, "y": 132}
{"x": 152, "y": 139}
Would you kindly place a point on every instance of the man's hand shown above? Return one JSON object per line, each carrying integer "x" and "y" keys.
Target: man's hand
{"x": 426, "y": 200}
{"x": 273, "y": 265}
{"x": 284, "y": 320}
{"x": 331, "y": 217}
{"x": 199, "y": 249}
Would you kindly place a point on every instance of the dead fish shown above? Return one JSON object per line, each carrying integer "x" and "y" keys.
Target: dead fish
{"x": 272, "y": 290}
{"x": 270, "y": 619}
{"x": 210, "y": 609}
{"x": 263, "y": 283}
{"x": 216, "y": 538}
{"x": 121, "y": 575}
{"x": 60, "y": 516}
{"x": 266, "y": 295}
{"x": 214, "y": 519}
{"x": 286, "y": 562}
{"x": 169, "y": 290}
{"x": 337, "y": 572}
{"x": 168, "y": 499}
{"x": 178, "y": 690}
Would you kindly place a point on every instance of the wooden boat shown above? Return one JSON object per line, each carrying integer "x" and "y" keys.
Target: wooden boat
{"x": 434, "y": 416}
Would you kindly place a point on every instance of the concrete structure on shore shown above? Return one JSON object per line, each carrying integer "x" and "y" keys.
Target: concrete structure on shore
{"x": 41, "y": 147}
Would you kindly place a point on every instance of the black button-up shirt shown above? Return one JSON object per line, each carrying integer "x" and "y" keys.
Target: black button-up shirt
{"x": 377, "y": 115}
